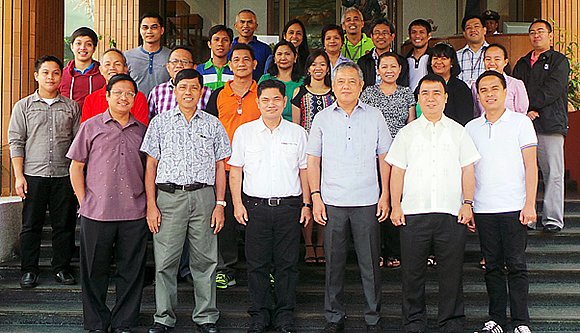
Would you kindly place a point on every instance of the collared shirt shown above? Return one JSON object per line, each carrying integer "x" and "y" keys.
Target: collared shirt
{"x": 500, "y": 175}
{"x": 42, "y": 134}
{"x": 516, "y": 98}
{"x": 261, "y": 52}
{"x": 114, "y": 183}
{"x": 354, "y": 52}
{"x": 84, "y": 71}
{"x": 432, "y": 156}
{"x": 214, "y": 77}
{"x": 348, "y": 146}
{"x": 187, "y": 152}
{"x": 417, "y": 69}
{"x": 96, "y": 103}
{"x": 471, "y": 63}
{"x": 148, "y": 69}
{"x": 339, "y": 61}
{"x": 161, "y": 99}
{"x": 271, "y": 160}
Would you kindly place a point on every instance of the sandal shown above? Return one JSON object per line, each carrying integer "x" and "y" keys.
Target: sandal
{"x": 310, "y": 259}
{"x": 321, "y": 258}
{"x": 431, "y": 261}
{"x": 482, "y": 264}
{"x": 393, "y": 263}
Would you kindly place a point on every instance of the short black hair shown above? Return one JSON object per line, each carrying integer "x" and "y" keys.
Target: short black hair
{"x": 84, "y": 31}
{"x": 391, "y": 54}
{"x": 548, "y": 25}
{"x": 444, "y": 50}
{"x": 160, "y": 19}
{"x": 47, "y": 58}
{"x": 384, "y": 21}
{"x": 220, "y": 27}
{"x": 470, "y": 17}
{"x": 112, "y": 49}
{"x": 421, "y": 23}
{"x": 187, "y": 74}
{"x": 505, "y": 52}
{"x": 273, "y": 68}
{"x": 242, "y": 46}
{"x": 431, "y": 78}
{"x": 270, "y": 83}
{"x": 310, "y": 60}
{"x": 330, "y": 27}
{"x": 119, "y": 78}
{"x": 180, "y": 47}
{"x": 491, "y": 73}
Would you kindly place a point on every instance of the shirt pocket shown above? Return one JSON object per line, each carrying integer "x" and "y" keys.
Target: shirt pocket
{"x": 253, "y": 158}
{"x": 290, "y": 153}
{"x": 63, "y": 123}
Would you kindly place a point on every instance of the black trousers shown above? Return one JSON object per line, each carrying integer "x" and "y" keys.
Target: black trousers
{"x": 56, "y": 194}
{"x": 101, "y": 241}
{"x": 503, "y": 243}
{"x": 448, "y": 237}
{"x": 272, "y": 235}
{"x": 361, "y": 223}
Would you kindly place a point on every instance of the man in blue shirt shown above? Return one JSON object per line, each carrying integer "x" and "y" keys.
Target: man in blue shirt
{"x": 246, "y": 24}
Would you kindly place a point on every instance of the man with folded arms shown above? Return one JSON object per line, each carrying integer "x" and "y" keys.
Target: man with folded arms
{"x": 185, "y": 183}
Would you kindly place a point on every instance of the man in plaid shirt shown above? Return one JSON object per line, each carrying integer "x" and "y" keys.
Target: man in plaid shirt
{"x": 471, "y": 56}
{"x": 161, "y": 98}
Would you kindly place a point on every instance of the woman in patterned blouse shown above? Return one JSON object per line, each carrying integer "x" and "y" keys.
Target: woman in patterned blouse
{"x": 309, "y": 99}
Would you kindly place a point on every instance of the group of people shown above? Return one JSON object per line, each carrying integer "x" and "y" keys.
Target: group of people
{"x": 269, "y": 140}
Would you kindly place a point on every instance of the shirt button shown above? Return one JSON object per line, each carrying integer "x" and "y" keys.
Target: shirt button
{"x": 122, "y": 141}
{"x": 50, "y": 129}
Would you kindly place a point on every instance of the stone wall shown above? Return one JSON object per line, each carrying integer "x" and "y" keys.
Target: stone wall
{"x": 10, "y": 226}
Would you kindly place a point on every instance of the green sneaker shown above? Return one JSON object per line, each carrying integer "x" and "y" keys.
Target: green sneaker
{"x": 224, "y": 281}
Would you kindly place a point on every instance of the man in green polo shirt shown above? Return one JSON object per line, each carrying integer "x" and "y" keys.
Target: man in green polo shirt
{"x": 356, "y": 43}
{"x": 216, "y": 71}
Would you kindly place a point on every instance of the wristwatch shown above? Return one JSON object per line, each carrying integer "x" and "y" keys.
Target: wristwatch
{"x": 221, "y": 203}
{"x": 468, "y": 202}
{"x": 309, "y": 205}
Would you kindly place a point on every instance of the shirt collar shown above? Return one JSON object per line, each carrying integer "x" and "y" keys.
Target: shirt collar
{"x": 482, "y": 48}
{"x": 150, "y": 53}
{"x": 363, "y": 39}
{"x": 107, "y": 117}
{"x": 209, "y": 64}
{"x": 262, "y": 126}
{"x": 228, "y": 89}
{"x": 176, "y": 113}
{"x": 84, "y": 71}
{"x": 36, "y": 97}
{"x": 359, "y": 106}
{"x": 504, "y": 117}
{"x": 445, "y": 121}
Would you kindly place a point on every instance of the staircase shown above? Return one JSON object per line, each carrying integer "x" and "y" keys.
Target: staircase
{"x": 554, "y": 300}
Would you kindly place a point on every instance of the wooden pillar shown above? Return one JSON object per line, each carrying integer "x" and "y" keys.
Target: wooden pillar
{"x": 118, "y": 21}
{"x": 29, "y": 29}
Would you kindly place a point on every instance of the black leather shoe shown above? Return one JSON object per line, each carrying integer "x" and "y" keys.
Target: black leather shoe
{"x": 374, "y": 328}
{"x": 256, "y": 328}
{"x": 99, "y": 331}
{"x": 208, "y": 328}
{"x": 29, "y": 280}
{"x": 552, "y": 228}
{"x": 122, "y": 330}
{"x": 288, "y": 329}
{"x": 159, "y": 328}
{"x": 64, "y": 277}
{"x": 333, "y": 328}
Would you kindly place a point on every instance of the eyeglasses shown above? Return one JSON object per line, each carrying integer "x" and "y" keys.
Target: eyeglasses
{"x": 184, "y": 62}
{"x": 119, "y": 93}
{"x": 537, "y": 32}
{"x": 152, "y": 27}
{"x": 381, "y": 33}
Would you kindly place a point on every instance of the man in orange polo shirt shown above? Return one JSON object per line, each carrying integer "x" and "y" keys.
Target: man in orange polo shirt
{"x": 113, "y": 62}
{"x": 234, "y": 104}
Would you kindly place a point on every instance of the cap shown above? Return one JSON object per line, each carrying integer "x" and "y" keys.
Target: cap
{"x": 491, "y": 15}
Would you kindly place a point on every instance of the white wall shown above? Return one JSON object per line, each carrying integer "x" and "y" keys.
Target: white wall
{"x": 442, "y": 12}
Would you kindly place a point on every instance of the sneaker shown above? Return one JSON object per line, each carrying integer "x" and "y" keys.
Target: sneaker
{"x": 490, "y": 327}
{"x": 224, "y": 281}
{"x": 522, "y": 329}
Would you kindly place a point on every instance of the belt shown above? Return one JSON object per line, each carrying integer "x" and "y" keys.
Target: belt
{"x": 171, "y": 187}
{"x": 277, "y": 201}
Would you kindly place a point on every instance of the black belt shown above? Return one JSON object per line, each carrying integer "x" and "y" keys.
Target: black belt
{"x": 278, "y": 201}
{"x": 171, "y": 187}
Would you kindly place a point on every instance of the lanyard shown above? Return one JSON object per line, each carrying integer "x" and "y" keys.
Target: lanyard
{"x": 357, "y": 49}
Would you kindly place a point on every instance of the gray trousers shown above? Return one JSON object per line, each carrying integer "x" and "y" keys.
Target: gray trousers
{"x": 362, "y": 224}
{"x": 551, "y": 162}
{"x": 184, "y": 214}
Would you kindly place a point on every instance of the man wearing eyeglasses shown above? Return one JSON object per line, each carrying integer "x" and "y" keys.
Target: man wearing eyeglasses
{"x": 112, "y": 209}
{"x": 147, "y": 62}
{"x": 161, "y": 98}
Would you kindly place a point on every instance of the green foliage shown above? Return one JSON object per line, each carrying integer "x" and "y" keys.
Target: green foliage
{"x": 112, "y": 42}
{"x": 571, "y": 51}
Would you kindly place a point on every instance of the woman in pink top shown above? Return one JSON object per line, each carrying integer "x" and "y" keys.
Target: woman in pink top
{"x": 496, "y": 59}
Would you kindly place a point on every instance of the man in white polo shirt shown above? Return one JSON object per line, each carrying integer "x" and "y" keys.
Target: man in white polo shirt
{"x": 432, "y": 168}
{"x": 506, "y": 178}
{"x": 271, "y": 154}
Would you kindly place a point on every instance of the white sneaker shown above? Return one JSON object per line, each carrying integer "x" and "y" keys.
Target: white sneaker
{"x": 491, "y": 327}
{"x": 522, "y": 329}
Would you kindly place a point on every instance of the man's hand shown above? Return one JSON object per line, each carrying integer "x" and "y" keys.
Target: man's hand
{"x": 319, "y": 210}
{"x": 533, "y": 115}
{"x": 21, "y": 187}
{"x": 397, "y": 216}
{"x": 305, "y": 216}
{"x": 528, "y": 215}
{"x": 153, "y": 218}
{"x": 465, "y": 214}
{"x": 383, "y": 208}
{"x": 241, "y": 214}
{"x": 471, "y": 225}
{"x": 217, "y": 218}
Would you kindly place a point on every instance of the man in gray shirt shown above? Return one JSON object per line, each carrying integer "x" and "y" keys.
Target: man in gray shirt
{"x": 41, "y": 130}
{"x": 147, "y": 63}
{"x": 345, "y": 139}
